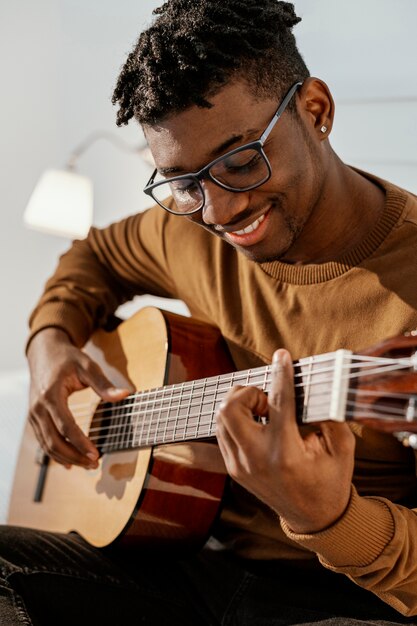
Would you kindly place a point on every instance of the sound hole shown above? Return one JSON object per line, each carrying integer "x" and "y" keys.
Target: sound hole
{"x": 111, "y": 427}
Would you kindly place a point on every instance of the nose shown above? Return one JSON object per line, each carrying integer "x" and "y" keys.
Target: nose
{"x": 222, "y": 207}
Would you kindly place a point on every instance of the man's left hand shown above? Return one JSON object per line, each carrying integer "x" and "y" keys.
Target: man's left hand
{"x": 305, "y": 479}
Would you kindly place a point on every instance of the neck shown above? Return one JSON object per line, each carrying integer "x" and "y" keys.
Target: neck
{"x": 326, "y": 387}
{"x": 348, "y": 207}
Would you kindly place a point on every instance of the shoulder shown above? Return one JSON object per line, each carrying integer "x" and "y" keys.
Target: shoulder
{"x": 400, "y": 200}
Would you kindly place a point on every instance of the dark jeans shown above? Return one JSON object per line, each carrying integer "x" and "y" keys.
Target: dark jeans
{"x": 59, "y": 580}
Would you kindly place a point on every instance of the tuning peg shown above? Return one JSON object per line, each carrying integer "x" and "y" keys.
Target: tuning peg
{"x": 409, "y": 440}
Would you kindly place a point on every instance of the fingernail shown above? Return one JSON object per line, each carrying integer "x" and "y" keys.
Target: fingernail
{"x": 116, "y": 391}
{"x": 280, "y": 357}
{"x": 92, "y": 455}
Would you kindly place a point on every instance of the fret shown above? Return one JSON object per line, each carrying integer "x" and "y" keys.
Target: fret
{"x": 265, "y": 380}
{"x": 136, "y": 418}
{"x": 159, "y": 413}
{"x": 126, "y": 430}
{"x": 144, "y": 397}
{"x": 186, "y": 411}
{"x": 258, "y": 377}
{"x": 150, "y": 418}
{"x": 214, "y": 407}
{"x": 187, "y": 418}
{"x": 211, "y": 400}
{"x": 121, "y": 425}
{"x": 163, "y": 436}
{"x": 198, "y": 422}
{"x": 217, "y": 395}
{"x": 115, "y": 421}
{"x": 223, "y": 385}
{"x": 178, "y": 413}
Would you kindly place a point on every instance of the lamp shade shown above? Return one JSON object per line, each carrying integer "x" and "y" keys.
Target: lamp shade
{"x": 61, "y": 204}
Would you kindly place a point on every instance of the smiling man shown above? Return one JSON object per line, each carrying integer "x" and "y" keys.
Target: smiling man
{"x": 262, "y": 231}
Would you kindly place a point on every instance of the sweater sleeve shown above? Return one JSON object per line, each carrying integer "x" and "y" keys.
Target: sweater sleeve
{"x": 99, "y": 273}
{"x": 375, "y": 544}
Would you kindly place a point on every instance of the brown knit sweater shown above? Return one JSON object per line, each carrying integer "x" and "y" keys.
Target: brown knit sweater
{"x": 368, "y": 295}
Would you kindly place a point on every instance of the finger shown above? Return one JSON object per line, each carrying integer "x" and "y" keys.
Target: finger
{"x": 41, "y": 439}
{"x": 238, "y": 408}
{"x": 228, "y": 447}
{"x": 53, "y": 410}
{"x": 337, "y": 438}
{"x": 56, "y": 446}
{"x": 281, "y": 400}
{"x": 91, "y": 375}
{"x": 74, "y": 439}
{"x": 69, "y": 429}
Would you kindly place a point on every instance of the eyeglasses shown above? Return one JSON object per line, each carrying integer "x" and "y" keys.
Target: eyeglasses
{"x": 241, "y": 169}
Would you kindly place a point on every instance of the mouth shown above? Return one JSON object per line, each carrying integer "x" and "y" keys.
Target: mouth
{"x": 250, "y": 228}
{"x": 252, "y": 233}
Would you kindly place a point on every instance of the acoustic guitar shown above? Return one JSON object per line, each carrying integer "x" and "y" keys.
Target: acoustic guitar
{"x": 161, "y": 477}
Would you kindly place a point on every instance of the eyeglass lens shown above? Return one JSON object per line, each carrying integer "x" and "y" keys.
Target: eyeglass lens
{"x": 242, "y": 170}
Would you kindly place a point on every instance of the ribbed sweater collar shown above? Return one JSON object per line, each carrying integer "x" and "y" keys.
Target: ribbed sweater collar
{"x": 317, "y": 273}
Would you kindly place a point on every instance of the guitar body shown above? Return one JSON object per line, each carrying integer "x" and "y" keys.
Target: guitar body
{"x": 161, "y": 476}
{"x": 160, "y": 496}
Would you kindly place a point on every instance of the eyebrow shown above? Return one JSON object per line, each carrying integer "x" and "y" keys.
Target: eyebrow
{"x": 223, "y": 147}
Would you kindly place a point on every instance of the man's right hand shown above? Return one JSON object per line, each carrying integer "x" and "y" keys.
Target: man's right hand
{"x": 58, "y": 368}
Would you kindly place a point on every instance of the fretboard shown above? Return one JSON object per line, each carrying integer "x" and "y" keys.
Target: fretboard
{"x": 186, "y": 411}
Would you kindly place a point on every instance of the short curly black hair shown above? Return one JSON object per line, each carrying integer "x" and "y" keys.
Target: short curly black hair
{"x": 194, "y": 47}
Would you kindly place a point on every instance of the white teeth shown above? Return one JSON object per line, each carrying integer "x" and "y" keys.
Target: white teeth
{"x": 251, "y": 227}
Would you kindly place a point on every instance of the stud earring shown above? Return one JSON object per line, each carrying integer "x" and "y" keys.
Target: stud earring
{"x": 323, "y": 129}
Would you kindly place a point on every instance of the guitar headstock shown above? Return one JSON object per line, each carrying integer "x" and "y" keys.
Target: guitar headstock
{"x": 385, "y": 391}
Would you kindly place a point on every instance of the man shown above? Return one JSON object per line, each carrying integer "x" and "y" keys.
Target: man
{"x": 272, "y": 238}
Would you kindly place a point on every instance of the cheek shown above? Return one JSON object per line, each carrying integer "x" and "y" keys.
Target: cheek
{"x": 297, "y": 178}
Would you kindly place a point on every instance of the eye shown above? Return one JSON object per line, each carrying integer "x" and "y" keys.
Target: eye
{"x": 247, "y": 165}
{"x": 183, "y": 186}
{"x": 239, "y": 163}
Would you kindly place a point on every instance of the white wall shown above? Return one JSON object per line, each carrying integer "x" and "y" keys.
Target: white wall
{"x": 58, "y": 63}
{"x": 366, "y": 51}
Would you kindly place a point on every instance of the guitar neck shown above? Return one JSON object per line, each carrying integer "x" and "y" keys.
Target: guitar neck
{"x": 187, "y": 411}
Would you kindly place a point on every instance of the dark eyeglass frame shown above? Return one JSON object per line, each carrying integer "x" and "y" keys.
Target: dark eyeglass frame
{"x": 204, "y": 173}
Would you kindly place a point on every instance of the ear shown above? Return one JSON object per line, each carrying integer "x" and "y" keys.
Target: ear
{"x": 317, "y": 106}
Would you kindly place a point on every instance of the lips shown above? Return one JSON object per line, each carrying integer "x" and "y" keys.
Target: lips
{"x": 251, "y": 234}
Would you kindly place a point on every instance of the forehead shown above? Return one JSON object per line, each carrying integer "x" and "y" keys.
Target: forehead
{"x": 188, "y": 140}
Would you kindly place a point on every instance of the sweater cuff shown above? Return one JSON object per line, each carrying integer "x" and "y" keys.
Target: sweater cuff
{"x": 356, "y": 539}
{"x": 60, "y": 315}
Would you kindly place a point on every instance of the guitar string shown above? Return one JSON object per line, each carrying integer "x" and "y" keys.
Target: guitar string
{"x": 203, "y": 430}
{"x": 158, "y": 409}
{"x": 104, "y": 433}
{"x": 179, "y": 389}
{"x": 238, "y": 376}
{"x": 175, "y": 408}
{"x": 314, "y": 407}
